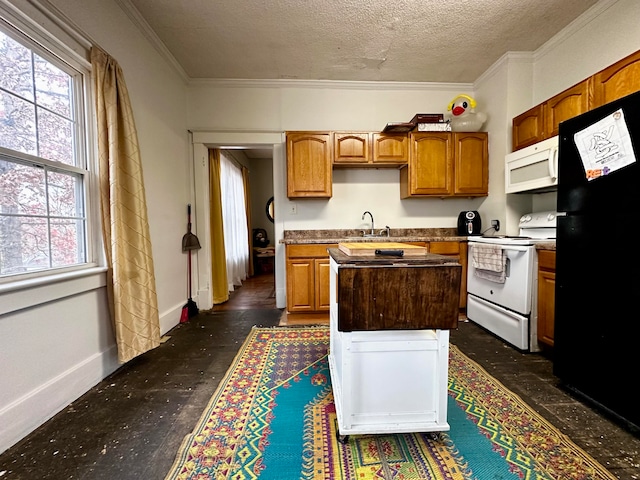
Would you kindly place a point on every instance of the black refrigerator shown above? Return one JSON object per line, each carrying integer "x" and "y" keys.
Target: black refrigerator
{"x": 597, "y": 327}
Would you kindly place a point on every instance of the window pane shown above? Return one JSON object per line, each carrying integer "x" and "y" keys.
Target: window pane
{"x": 22, "y": 189}
{"x": 53, "y": 87}
{"x": 24, "y": 244}
{"x": 15, "y": 65}
{"x": 17, "y": 124}
{"x": 67, "y": 242}
{"x": 55, "y": 137}
{"x": 65, "y": 195}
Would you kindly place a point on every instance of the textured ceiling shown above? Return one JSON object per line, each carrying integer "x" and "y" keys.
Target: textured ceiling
{"x": 353, "y": 40}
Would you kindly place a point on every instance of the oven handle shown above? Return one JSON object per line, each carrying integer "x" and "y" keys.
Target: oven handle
{"x": 507, "y": 247}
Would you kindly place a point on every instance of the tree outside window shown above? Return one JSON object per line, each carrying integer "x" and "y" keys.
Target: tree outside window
{"x": 43, "y": 173}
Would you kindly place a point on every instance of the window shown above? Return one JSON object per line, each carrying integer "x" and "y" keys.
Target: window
{"x": 44, "y": 176}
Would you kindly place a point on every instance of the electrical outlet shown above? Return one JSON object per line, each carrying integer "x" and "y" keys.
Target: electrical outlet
{"x": 293, "y": 208}
{"x": 496, "y": 225}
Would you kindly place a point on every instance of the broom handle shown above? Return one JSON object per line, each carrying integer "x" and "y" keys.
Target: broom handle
{"x": 188, "y": 217}
{"x": 189, "y": 272}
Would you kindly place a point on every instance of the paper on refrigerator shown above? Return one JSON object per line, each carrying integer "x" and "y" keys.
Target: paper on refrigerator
{"x": 605, "y": 146}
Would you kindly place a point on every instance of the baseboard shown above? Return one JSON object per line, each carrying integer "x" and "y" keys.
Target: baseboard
{"x": 23, "y": 416}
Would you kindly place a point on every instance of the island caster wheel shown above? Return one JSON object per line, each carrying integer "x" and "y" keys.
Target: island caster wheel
{"x": 343, "y": 439}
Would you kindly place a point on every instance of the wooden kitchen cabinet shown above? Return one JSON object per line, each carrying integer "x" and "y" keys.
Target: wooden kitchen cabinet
{"x": 309, "y": 169}
{"x": 446, "y": 164}
{"x": 308, "y": 278}
{"x": 528, "y": 128}
{"x": 618, "y": 80}
{"x": 546, "y": 296}
{"x": 458, "y": 250}
{"x": 390, "y": 149}
{"x": 541, "y": 121}
{"x": 567, "y": 104}
{"x": 471, "y": 164}
{"x": 366, "y": 149}
{"x": 351, "y": 148}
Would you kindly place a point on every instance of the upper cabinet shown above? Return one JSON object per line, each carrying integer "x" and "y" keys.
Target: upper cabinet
{"x": 365, "y": 149}
{"x": 390, "y": 149}
{"x": 567, "y": 104}
{"x": 618, "y": 80}
{"x": 309, "y": 173}
{"x": 542, "y": 121}
{"x": 350, "y": 148}
{"x": 528, "y": 128}
{"x": 446, "y": 164}
{"x": 471, "y": 164}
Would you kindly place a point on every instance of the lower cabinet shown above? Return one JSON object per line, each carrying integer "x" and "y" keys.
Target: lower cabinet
{"x": 459, "y": 251}
{"x": 308, "y": 278}
{"x": 546, "y": 296}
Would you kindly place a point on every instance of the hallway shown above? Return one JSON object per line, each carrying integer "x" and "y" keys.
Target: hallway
{"x": 130, "y": 425}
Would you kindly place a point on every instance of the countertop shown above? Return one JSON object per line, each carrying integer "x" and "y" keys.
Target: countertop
{"x": 396, "y": 235}
{"x": 296, "y": 237}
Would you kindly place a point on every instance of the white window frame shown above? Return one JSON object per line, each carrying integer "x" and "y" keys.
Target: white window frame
{"x": 52, "y": 38}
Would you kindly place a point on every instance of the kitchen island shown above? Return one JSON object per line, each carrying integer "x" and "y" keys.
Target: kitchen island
{"x": 389, "y": 344}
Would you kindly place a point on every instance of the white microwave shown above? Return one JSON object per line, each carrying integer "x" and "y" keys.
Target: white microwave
{"x": 533, "y": 168}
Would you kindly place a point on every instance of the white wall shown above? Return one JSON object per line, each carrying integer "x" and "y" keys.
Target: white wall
{"x": 55, "y": 351}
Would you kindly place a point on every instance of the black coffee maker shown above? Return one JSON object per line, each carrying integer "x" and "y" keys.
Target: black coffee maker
{"x": 469, "y": 223}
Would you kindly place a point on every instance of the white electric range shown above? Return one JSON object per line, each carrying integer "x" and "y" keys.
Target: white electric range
{"x": 504, "y": 302}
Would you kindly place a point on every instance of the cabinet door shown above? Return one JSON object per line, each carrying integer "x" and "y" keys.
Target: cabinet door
{"x": 458, "y": 250}
{"x": 300, "y": 285}
{"x": 322, "y": 275}
{"x": 471, "y": 164}
{"x": 430, "y": 170}
{"x": 351, "y": 148}
{"x": 309, "y": 165}
{"x": 568, "y": 104}
{"x": 546, "y": 296}
{"x": 390, "y": 148}
{"x": 618, "y": 80}
{"x": 528, "y": 128}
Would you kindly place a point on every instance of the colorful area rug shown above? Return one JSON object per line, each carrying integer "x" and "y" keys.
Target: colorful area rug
{"x": 273, "y": 417}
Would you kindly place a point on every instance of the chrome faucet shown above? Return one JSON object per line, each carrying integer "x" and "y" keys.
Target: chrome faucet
{"x": 372, "y": 228}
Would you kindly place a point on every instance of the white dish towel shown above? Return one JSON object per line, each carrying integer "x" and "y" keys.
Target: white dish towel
{"x": 489, "y": 262}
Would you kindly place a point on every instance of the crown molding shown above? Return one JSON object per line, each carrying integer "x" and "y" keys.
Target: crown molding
{"x": 146, "y": 30}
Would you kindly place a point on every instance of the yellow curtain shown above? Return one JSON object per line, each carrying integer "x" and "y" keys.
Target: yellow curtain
{"x": 247, "y": 205}
{"x": 220, "y": 287}
{"x": 131, "y": 281}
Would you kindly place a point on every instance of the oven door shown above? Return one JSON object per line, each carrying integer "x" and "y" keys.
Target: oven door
{"x": 515, "y": 293}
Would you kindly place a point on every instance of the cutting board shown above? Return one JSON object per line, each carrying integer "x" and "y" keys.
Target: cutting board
{"x": 368, "y": 249}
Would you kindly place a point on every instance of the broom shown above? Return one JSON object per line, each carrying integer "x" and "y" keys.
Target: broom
{"x": 189, "y": 242}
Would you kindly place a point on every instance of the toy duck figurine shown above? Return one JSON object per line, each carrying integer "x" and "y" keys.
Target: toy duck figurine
{"x": 463, "y": 117}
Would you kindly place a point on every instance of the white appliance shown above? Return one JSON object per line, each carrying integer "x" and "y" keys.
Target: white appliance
{"x": 533, "y": 168}
{"x": 507, "y": 306}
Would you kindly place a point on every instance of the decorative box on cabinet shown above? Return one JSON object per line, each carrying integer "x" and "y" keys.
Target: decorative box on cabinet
{"x": 307, "y": 278}
{"x": 546, "y": 296}
{"x": 446, "y": 164}
{"x": 309, "y": 171}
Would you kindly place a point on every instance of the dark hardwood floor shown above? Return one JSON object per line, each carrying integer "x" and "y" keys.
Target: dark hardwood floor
{"x": 130, "y": 425}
